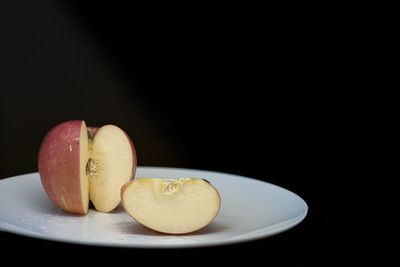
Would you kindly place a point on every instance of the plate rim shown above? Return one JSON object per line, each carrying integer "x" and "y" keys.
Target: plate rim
{"x": 246, "y": 237}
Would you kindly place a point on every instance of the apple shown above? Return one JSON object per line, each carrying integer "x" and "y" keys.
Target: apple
{"x": 172, "y": 206}
{"x": 78, "y": 163}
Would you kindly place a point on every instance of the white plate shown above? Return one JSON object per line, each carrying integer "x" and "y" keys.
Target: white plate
{"x": 250, "y": 209}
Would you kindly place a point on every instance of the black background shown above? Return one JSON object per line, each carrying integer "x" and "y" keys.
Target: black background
{"x": 281, "y": 98}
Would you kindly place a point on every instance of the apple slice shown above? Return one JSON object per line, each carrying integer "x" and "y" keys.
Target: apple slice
{"x": 77, "y": 163}
{"x": 110, "y": 166}
{"x": 171, "y": 206}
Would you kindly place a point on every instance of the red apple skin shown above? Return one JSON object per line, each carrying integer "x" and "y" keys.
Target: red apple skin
{"x": 58, "y": 164}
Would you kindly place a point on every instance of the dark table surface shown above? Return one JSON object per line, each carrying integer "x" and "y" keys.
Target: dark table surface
{"x": 285, "y": 114}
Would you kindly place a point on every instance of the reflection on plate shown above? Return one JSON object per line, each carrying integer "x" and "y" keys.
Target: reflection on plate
{"x": 250, "y": 209}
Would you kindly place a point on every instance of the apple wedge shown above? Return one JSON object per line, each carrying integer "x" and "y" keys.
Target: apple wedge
{"x": 78, "y": 163}
{"x": 111, "y": 163}
{"x": 171, "y": 206}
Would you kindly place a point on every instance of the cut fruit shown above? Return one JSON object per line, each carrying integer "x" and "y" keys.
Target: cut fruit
{"x": 171, "y": 206}
{"x": 78, "y": 162}
{"x": 109, "y": 167}
{"x": 62, "y": 162}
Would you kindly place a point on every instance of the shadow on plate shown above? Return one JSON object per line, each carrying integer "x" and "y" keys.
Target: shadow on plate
{"x": 138, "y": 229}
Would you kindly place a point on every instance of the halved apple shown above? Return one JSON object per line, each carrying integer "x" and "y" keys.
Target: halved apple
{"x": 77, "y": 163}
{"x": 171, "y": 206}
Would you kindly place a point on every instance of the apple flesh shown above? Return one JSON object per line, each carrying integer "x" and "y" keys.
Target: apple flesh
{"x": 171, "y": 206}
{"x": 111, "y": 163}
{"x": 78, "y": 163}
